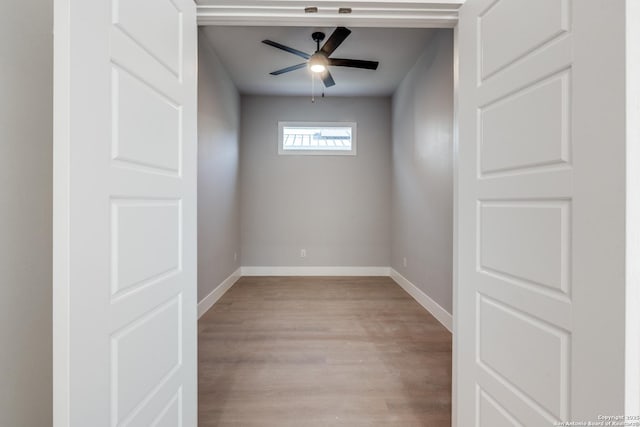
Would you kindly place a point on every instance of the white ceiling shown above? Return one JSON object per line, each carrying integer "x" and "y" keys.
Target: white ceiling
{"x": 249, "y": 61}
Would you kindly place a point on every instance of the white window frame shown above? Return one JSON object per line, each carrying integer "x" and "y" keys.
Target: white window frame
{"x": 319, "y": 124}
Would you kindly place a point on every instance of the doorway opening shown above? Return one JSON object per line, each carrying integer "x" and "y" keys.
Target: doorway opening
{"x": 381, "y": 216}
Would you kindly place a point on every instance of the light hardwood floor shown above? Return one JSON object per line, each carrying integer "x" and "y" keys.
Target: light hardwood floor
{"x": 312, "y": 351}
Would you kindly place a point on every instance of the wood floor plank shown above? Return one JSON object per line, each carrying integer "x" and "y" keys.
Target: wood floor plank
{"x": 322, "y": 351}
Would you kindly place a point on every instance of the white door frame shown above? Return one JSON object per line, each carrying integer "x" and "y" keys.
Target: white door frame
{"x": 366, "y": 13}
{"x": 444, "y": 14}
{"x": 380, "y": 14}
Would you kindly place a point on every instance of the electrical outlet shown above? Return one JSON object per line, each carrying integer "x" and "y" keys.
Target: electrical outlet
{"x": 404, "y": 262}
{"x": 303, "y": 253}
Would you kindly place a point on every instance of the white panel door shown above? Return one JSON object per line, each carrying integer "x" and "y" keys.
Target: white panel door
{"x": 539, "y": 333}
{"x": 125, "y": 213}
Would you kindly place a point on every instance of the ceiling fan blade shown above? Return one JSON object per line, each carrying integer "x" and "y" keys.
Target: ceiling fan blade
{"x": 353, "y": 63}
{"x": 327, "y": 79}
{"x": 286, "y": 70}
{"x": 335, "y": 40}
{"x": 287, "y": 49}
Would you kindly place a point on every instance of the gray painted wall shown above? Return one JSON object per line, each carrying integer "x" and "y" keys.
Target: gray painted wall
{"x": 218, "y": 196}
{"x": 335, "y": 207}
{"x": 422, "y": 195}
{"x": 26, "y": 141}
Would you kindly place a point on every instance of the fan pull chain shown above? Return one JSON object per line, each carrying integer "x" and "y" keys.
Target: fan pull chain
{"x": 313, "y": 88}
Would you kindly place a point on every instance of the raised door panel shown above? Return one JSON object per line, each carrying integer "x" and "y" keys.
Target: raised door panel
{"x": 509, "y": 340}
{"x": 147, "y": 125}
{"x": 161, "y": 36}
{"x": 491, "y": 413}
{"x": 527, "y": 129}
{"x": 145, "y": 354}
{"x": 528, "y": 24}
{"x": 527, "y": 242}
{"x": 146, "y": 243}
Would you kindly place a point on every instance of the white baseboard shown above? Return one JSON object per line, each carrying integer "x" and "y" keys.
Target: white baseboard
{"x": 208, "y": 301}
{"x": 424, "y": 300}
{"x": 315, "y": 271}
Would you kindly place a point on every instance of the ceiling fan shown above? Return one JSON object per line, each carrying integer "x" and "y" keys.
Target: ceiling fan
{"x": 320, "y": 61}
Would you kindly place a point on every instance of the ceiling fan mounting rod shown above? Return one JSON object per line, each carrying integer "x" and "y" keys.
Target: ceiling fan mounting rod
{"x": 318, "y": 37}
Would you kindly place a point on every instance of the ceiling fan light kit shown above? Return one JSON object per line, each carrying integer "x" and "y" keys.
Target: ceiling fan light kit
{"x": 321, "y": 60}
{"x": 318, "y": 63}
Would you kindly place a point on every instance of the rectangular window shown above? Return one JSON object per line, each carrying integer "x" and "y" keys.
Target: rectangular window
{"x": 317, "y": 138}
